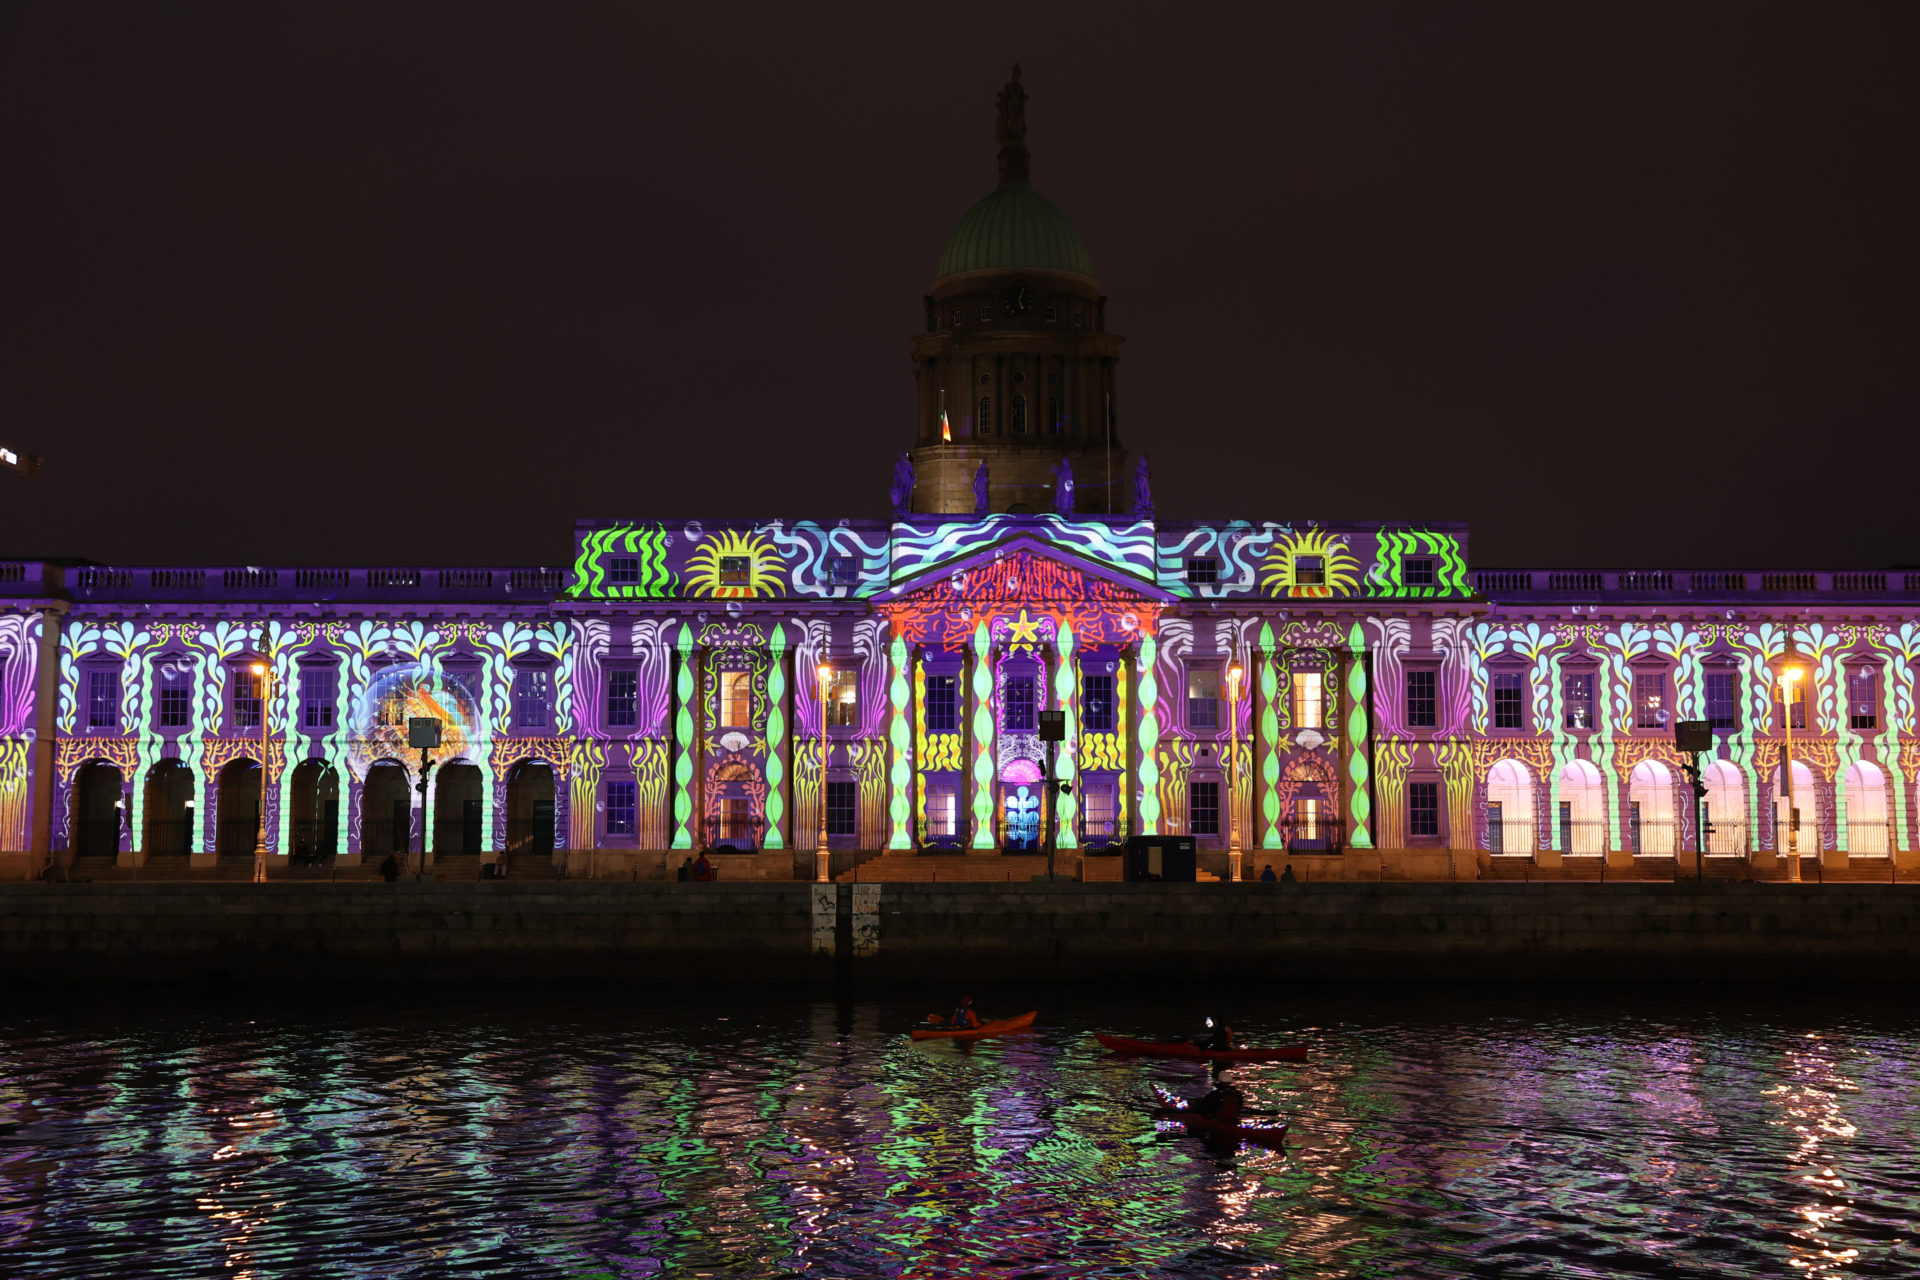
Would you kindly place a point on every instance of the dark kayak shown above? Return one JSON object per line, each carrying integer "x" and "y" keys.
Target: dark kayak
{"x": 1183, "y": 1049}
{"x": 1174, "y": 1108}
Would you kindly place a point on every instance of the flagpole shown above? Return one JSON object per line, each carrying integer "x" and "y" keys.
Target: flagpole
{"x": 1109, "y": 453}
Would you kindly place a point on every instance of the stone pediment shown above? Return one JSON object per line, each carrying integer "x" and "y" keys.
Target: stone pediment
{"x": 1022, "y": 570}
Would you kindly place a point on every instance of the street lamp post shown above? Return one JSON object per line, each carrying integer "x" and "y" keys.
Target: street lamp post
{"x": 1233, "y": 772}
{"x": 1789, "y": 677}
{"x": 264, "y": 674}
{"x": 821, "y": 857}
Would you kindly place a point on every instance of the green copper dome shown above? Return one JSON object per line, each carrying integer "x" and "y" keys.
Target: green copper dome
{"x": 1015, "y": 226}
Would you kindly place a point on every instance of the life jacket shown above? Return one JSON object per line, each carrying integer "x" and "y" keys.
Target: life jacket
{"x": 964, "y": 1017}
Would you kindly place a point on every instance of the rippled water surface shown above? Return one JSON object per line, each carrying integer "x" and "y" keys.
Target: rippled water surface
{"x": 603, "y": 1133}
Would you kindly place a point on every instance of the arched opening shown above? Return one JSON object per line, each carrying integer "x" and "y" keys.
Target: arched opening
{"x": 1650, "y": 810}
{"x": 98, "y": 803}
{"x": 1583, "y": 811}
{"x": 530, "y": 809}
{"x": 238, "y": 808}
{"x": 1510, "y": 809}
{"x": 1867, "y": 810}
{"x": 1805, "y": 798}
{"x": 1724, "y": 822}
{"x": 169, "y": 810}
{"x": 386, "y": 811}
{"x": 456, "y": 809}
{"x": 315, "y": 813}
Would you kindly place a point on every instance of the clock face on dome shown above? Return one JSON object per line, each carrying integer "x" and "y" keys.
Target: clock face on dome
{"x": 1018, "y": 300}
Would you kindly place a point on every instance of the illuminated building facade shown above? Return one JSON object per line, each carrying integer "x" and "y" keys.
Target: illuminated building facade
{"x": 1395, "y": 713}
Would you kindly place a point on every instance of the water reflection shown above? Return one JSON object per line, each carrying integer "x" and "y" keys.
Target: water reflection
{"x": 1497, "y": 1136}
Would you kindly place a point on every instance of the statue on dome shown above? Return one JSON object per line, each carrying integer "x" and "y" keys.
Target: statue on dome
{"x": 1063, "y": 487}
{"x": 980, "y": 507}
{"x": 1142, "y": 488}
{"x": 1010, "y": 131}
{"x": 903, "y": 485}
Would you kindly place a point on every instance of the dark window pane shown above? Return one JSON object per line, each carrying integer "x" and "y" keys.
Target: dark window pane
{"x": 620, "y": 808}
{"x": 1018, "y": 713}
{"x": 1423, "y": 704}
{"x": 943, "y": 711}
{"x": 1423, "y": 808}
{"x": 1577, "y": 699}
{"x": 1723, "y": 708}
{"x": 623, "y": 698}
{"x": 1098, "y": 704}
{"x": 842, "y": 808}
{"x": 1508, "y": 710}
{"x": 1203, "y": 808}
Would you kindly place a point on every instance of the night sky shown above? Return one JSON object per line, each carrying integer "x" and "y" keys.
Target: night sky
{"x": 411, "y": 284}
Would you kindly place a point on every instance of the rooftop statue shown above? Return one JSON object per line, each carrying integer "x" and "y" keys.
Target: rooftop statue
{"x": 1063, "y": 487}
{"x": 1010, "y": 131}
{"x": 1142, "y": 488}
{"x": 902, "y": 485}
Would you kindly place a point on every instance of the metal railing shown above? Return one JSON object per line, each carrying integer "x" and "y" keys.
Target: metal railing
{"x": 1868, "y": 839}
{"x": 1654, "y": 837}
{"x": 96, "y": 837}
{"x": 743, "y": 835}
{"x": 1511, "y": 838}
{"x": 1583, "y": 838}
{"x": 314, "y": 842}
{"x": 1728, "y": 839}
{"x": 238, "y": 837}
{"x": 1321, "y": 836}
{"x": 384, "y": 836}
{"x": 169, "y": 837}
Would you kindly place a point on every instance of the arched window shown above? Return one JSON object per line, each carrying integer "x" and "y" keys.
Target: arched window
{"x": 1583, "y": 815}
{"x": 1019, "y": 415}
{"x": 984, "y": 423}
{"x": 1510, "y": 809}
{"x": 1867, "y": 810}
{"x": 1726, "y": 809}
{"x": 1650, "y": 809}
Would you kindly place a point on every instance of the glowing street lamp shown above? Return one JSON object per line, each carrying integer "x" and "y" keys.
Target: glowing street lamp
{"x": 1789, "y": 677}
{"x": 821, "y": 856}
{"x": 265, "y": 677}
{"x": 1233, "y": 771}
{"x": 25, "y": 463}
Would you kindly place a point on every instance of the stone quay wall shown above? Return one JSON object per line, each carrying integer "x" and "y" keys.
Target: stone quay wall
{"x": 775, "y": 933}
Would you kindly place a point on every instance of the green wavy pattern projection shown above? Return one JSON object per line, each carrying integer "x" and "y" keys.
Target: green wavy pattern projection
{"x": 776, "y": 805}
{"x": 899, "y": 805}
{"x": 1270, "y": 737}
{"x": 1387, "y": 577}
{"x": 683, "y": 696}
{"x": 1149, "y": 739}
{"x": 1066, "y": 804}
{"x": 646, "y": 542}
{"x": 1359, "y": 808}
{"x": 983, "y": 833}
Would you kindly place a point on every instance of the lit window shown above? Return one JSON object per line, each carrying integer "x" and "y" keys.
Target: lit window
{"x": 1017, "y": 715}
{"x": 1418, "y": 571}
{"x": 736, "y": 571}
{"x": 1203, "y": 571}
{"x": 1203, "y": 808}
{"x": 531, "y": 697}
{"x": 1097, "y": 704}
{"x": 246, "y": 699}
{"x": 1309, "y": 700}
{"x": 1309, "y": 571}
{"x": 942, "y": 708}
{"x": 736, "y": 819}
{"x": 623, "y": 698}
{"x": 943, "y": 811}
{"x": 621, "y": 805}
{"x": 1052, "y": 314}
{"x": 1508, "y": 712}
{"x": 1576, "y": 691}
{"x": 1203, "y": 698}
{"x": 1423, "y": 702}
{"x": 1306, "y": 815}
{"x": 176, "y": 707}
{"x": 623, "y": 570}
{"x": 1101, "y": 816}
{"x": 843, "y": 699}
{"x": 1649, "y": 700}
{"x": 103, "y": 700}
{"x": 736, "y": 699}
{"x": 842, "y": 571}
{"x": 1423, "y": 808}
{"x": 842, "y": 808}
{"x": 1723, "y": 705}
{"x": 316, "y": 697}
{"x": 1862, "y": 705}
{"x": 985, "y": 426}
{"x": 1799, "y": 688}
{"x": 986, "y": 314}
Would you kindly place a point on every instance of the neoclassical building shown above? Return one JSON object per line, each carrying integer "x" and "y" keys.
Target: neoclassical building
{"x": 1353, "y": 699}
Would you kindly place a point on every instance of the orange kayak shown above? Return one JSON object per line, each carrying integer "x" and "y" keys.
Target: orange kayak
{"x": 998, "y": 1027}
{"x": 1182, "y": 1049}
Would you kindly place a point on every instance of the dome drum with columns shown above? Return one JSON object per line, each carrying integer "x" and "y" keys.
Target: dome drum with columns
{"x": 1016, "y": 369}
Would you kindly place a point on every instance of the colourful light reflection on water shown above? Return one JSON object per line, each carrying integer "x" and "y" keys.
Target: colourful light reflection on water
{"x": 1566, "y": 1136}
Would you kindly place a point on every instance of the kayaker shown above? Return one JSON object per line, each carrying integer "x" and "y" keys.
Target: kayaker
{"x": 1220, "y": 1036}
{"x": 964, "y": 1018}
{"x": 1224, "y": 1103}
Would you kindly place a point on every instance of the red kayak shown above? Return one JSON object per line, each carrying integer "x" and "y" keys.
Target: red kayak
{"x": 1182, "y": 1049}
{"x": 998, "y": 1027}
{"x": 1176, "y": 1109}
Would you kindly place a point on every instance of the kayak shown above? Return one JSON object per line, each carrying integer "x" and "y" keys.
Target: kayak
{"x": 998, "y": 1027}
{"x": 1176, "y": 1109}
{"x": 1183, "y": 1049}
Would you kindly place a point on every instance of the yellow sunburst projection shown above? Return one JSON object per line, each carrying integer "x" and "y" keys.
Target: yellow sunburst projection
{"x": 1282, "y": 574}
{"x": 732, "y": 564}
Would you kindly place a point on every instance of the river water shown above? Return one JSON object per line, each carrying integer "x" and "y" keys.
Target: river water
{"x": 1531, "y": 1132}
